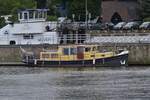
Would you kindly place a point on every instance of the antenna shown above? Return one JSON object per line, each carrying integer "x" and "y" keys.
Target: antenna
{"x": 6, "y": 17}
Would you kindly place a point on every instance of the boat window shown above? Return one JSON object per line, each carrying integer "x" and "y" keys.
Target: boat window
{"x": 73, "y": 51}
{"x": 12, "y": 42}
{"x": 40, "y": 14}
{"x": 25, "y": 16}
{"x": 87, "y": 49}
{"x": 30, "y": 57}
{"x": 53, "y": 50}
{"x": 66, "y": 51}
{"x": 94, "y": 49}
{"x": 54, "y": 55}
{"x": 28, "y": 36}
{"x": 20, "y": 15}
{"x": 45, "y": 14}
{"x": 45, "y": 55}
{"x": 80, "y": 49}
{"x": 6, "y": 32}
{"x": 36, "y": 14}
{"x": 30, "y": 15}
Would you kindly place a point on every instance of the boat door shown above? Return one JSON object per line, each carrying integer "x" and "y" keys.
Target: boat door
{"x": 80, "y": 52}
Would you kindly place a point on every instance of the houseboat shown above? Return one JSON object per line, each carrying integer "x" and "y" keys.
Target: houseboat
{"x": 78, "y": 56}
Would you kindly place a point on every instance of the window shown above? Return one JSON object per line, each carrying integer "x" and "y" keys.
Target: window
{"x": 73, "y": 51}
{"x": 20, "y": 15}
{"x": 25, "y": 16}
{"x": 6, "y": 32}
{"x": 80, "y": 49}
{"x": 45, "y": 14}
{"x": 12, "y": 42}
{"x": 66, "y": 51}
{"x": 40, "y": 14}
{"x": 28, "y": 36}
{"x": 94, "y": 49}
{"x": 45, "y": 55}
{"x": 30, "y": 15}
{"x": 54, "y": 55}
{"x": 36, "y": 14}
{"x": 87, "y": 49}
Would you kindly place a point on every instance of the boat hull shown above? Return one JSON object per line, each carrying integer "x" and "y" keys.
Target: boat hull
{"x": 120, "y": 60}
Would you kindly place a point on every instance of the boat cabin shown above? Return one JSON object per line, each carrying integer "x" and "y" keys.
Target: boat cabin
{"x": 74, "y": 52}
{"x": 32, "y": 15}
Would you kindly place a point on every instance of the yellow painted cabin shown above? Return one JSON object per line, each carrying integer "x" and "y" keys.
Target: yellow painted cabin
{"x": 74, "y": 52}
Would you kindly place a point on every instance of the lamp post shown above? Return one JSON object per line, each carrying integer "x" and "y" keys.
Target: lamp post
{"x": 86, "y": 13}
{"x": 73, "y": 16}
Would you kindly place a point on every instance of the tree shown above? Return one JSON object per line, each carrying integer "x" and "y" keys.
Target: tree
{"x": 77, "y": 7}
{"x": 8, "y": 7}
{"x": 144, "y": 10}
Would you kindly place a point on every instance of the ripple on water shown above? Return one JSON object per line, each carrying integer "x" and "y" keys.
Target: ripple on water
{"x": 18, "y": 83}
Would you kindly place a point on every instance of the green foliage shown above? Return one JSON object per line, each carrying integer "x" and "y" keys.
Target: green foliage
{"x": 147, "y": 19}
{"x": 8, "y": 7}
{"x": 52, "y": 18}
{"x": 144, "y": 9}
{"x": 77, "y": 7}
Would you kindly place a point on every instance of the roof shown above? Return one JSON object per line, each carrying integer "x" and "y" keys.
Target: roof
{"x": 20, "y": 10}
{"x": 26, "y": 28}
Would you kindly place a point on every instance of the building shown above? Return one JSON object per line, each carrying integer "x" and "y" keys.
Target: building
{"x": 125, "y": 10}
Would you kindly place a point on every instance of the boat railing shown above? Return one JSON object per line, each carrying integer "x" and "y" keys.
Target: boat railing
{"x": 72, "y": 38}
{"x": 46, "y": 39}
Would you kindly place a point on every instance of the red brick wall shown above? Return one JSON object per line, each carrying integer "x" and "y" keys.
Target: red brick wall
{"x": 126, "y": 9}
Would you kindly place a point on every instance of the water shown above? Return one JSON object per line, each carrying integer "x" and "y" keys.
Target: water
{"x": 18, "y": 83}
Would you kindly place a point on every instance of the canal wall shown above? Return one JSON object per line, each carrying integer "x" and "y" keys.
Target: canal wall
{"x": 139, "y": 53}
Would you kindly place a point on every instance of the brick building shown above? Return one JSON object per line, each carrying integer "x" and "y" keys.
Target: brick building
{"x": 125, "y": 9}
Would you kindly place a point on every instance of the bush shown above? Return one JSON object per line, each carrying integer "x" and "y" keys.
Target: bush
{"x": 147, "y": 19}
{"x": 52, "y": 18}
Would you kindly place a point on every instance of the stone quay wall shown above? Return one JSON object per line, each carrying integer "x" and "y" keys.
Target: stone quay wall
{"x": 138, "y": 53}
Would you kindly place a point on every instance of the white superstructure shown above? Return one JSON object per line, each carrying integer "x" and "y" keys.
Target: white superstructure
{"x": 32, "y": 28}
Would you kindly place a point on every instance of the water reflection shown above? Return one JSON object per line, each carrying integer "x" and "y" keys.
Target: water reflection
{"x": 24, "y": 83}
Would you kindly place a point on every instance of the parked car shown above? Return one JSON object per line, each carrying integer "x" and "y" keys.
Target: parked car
{"x": 106, "y": 26}
{"x": 131, "y": 25}
{"x": 119, "y": 26}
{"x": 94, "y": 26}
{"x": 145, "y": 26}
{"x": 103, "y": 27}
{"x": 109, "y": 26}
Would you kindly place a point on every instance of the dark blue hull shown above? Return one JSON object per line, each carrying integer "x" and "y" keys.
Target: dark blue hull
{"x": 121, "y": 60}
